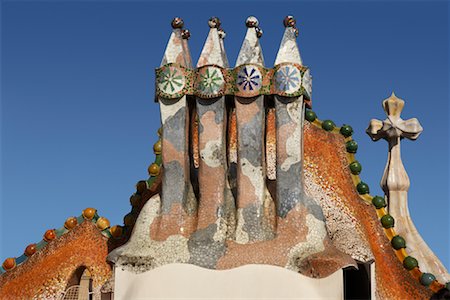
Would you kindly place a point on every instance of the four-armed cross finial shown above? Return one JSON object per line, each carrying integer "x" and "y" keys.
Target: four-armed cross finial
{"x": 395, "y": 182}
{"x": 393, "y": 129}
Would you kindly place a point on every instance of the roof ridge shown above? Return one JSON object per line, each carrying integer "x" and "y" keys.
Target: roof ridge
{"x": 88, "y": 214}
{"x": 398, "y": 243}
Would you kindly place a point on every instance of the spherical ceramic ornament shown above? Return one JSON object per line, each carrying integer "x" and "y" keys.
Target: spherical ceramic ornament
{"x": 310, "y": 115}
{"x": 89, "y": 213}
{"x": 222, "y": 33}
{"x": 355, "y": 167}
{"x": 214, "y": 22}
{"x": 252, "y": 22}
{"x": 116, "y": 231}
{"x": 153, "y": 169}
{"x": 30, "y": 250}
{"x": 70, "y": 223}
{"x": 328, "y": 125}
{"x": 128, "y": 220}
{"x": 50, "y": 235}
{"x": 135, "y": 200}
{"x": 9, "y": 263}
{"x": 259, "y": 32}
{"x": 141, "y": 186}
{"x": 102, "y": 223}
{"x": 157, "y": 147}
{"x": 351, "y": 146}
{"x": 289, "y": 21}
{"x": 177, "y": 23}
{"x": 185, "y": 34}
{"x": 410, "y": 263}
{"x": 427, "y": 278}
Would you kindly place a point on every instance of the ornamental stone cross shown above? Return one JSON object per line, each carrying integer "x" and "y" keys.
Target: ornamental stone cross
{"x": 393, "y": 129}
{"x": 395, "y": 182}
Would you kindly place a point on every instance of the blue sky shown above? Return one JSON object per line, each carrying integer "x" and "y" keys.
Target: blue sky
{"x": 78, "y": 119}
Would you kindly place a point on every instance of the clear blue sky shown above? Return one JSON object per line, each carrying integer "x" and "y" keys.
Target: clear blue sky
{"x": 78, "y": 119}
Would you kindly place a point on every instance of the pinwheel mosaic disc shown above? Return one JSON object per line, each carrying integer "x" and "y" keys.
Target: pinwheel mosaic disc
{"x": 210, "y": 82}
{"x": 249, "y": 80}
{"x": 171, "y": 80}
{"x": 288, "y": 79}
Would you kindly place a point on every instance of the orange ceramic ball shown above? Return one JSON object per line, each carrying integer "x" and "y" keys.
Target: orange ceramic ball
{"x": 157, "y": 147}
{"x": 9, "y": 263}
{"x": 89, "y": 213}
{"x": 30, "y": 249}
{"x": 153, "y": 170}
{"x": 116, "y": 231}
{"x": 50, "y": 235}
{"x": 70, "y": 223}
{"x": 102, "y": 223}
{"x": 141, "y": 186}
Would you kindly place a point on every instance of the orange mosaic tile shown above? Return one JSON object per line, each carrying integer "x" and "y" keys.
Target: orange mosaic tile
{"x": 45, "y": 274}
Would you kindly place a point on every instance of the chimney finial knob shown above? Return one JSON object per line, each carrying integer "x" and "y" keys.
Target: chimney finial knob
{"x": 252, "y": 22}
{"x": 259, "y": 32}
{"x": 289, "y": 21}
{"x": 222, "y": 33}
{"x": 185, "y": 34}
{"x": 214, "y": 22}
{"x": 177, "y": 23}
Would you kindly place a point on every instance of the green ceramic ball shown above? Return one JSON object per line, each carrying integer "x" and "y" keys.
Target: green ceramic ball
{"x": 387, "y": 221}
{"x": 355, "y": 167}
{"x": 310, "y": 116}
{"x": 346, "y": 130}
{"x": 351, "y": 146}
{"x": 379, "y": 202}
{"x": 328, "y": 125}
{"x": 427, "y": 278}
{"x": 362, "y": 188}
{"x": 398, "y": 242}
{"x": 410, "y": 263}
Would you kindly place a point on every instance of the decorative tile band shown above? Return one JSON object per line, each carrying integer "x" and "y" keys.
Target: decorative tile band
{"x": 249, "y": 80}
{"x": 398, "y": 243}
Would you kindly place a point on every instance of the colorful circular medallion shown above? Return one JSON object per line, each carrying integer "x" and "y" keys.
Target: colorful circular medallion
{"x": 249, "y": 80}
{"x": 210, "y": 82}
{"x": 288, "y": 79}
{"x": 171, "y": 80}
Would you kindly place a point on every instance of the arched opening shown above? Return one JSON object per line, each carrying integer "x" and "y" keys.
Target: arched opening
{"x": 79, "y": 286}
{"x": 358, "y": 283}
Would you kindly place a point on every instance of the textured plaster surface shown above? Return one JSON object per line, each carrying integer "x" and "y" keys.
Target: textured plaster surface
{"x": 181, "y": 281}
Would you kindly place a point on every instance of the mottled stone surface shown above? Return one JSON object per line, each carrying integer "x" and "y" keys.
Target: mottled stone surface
{"x": 216, "y": 204}
{"x": 253, "y": 222}
{"x": 177, "y": 196}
